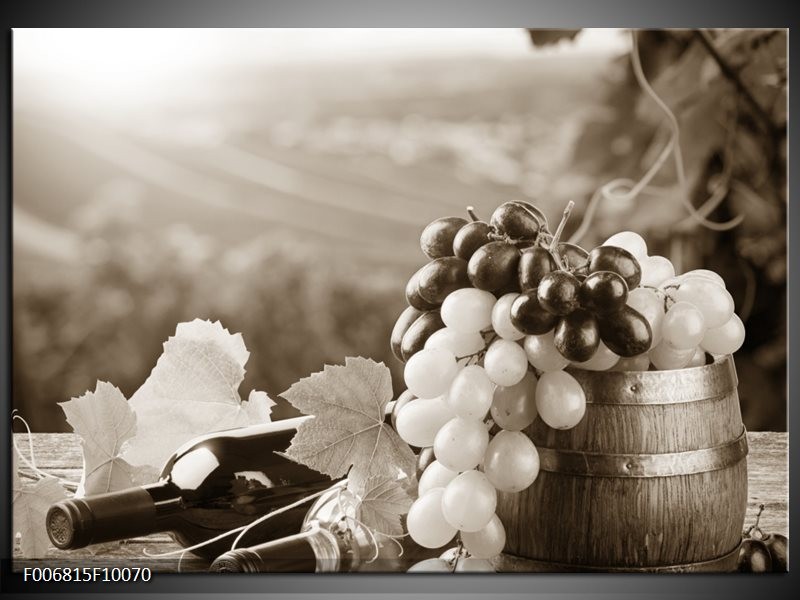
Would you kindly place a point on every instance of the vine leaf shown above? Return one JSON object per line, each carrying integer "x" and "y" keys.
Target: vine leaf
{"x": 382, "y": 502}
{"x": 192, "y": 390}
{"x": 348, "y": 429}
{"x": 30, "y": 505}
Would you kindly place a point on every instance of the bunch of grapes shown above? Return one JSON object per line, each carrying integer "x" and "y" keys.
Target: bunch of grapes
{"x": 494, "y": 319}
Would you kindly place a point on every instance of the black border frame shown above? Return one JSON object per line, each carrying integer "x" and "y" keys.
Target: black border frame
{"x": 366, "y": 13}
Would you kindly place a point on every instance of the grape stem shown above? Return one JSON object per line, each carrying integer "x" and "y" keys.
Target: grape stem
{"x": 471, "y": 213}
{"x": 557, "y": 235}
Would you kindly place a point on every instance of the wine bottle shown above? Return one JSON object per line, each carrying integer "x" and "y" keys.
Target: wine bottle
{"x": 211, "y": 485}
{"x": 332, "y": 539}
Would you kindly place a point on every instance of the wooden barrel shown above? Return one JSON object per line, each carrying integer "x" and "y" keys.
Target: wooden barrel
{"x": 654, "y": 478}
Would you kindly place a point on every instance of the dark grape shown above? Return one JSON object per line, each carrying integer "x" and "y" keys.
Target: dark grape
{"x": 573, "y": 256}
{"x": 754, "y": 557}
{"x": 626, "y": 332}
{"x": 401, "y": 401}
{"x": 471, "y": 237}
{"x": 534, "y": 263}
{"x": 618, "y": 260}
{"x": 437, "y": 238}
{"x": 493, "y": 266}
{"x": 442, "y": 276}
{"x": 419, "y": 332}
{"x": 413, "y": 296}
{"x": 603, "y": 292}
{"x": 558, "y": 292}
{"x": 577, "y": 336}
{"x": 516, "y": 221}
{"x": 424, "y": 459}
{"x": 404, "y": 321}
{"x": 529, "y": 317}
{"x": 778, "y": 547}
{"x": 536, "y": 211}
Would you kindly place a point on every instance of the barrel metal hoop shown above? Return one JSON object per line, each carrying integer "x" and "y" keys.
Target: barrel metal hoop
{"x": 721, "y": 564}
{"x": 591, "y": 464}
{"x": 658, "y": 387}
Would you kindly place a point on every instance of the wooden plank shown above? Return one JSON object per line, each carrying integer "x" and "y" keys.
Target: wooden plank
{"x": 60, "y": 455}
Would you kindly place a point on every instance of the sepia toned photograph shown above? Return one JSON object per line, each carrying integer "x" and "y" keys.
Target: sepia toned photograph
{"x": 399, "y": 301}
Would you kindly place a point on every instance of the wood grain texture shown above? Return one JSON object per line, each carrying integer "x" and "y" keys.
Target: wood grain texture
{"x": 599, "y": 519}
{"x": 60, "y": 454}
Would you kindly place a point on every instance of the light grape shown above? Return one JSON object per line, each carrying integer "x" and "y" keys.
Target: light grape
{"x": 425, "y": 522}
{"x": 710, "y": 275}
{"x": 635, "y": 363}
{"x": 459, "y": 343}
{"x": 630, "y": 241}
{"x": 501, "y": 318}
{"x": 469, "y": 501}
{"x": 514, "y": 407}
{"x": 655, "y": 270}
{"x": 468, "y": 310}
{"x": 430, "y": 372}
{"x": 712, "y": 299}
{"x": 726, "y": 339}
{"x": 488, "y": 541}
{"x": 460, "y": 444}
{"x": 684, "y": 326}
{"x": 505, "y": 362}
{"x": 602, "y": 360}
{"x": 542, "y": 353}
{"x": 560, "y": 400}
{"x": 435, "y": 475}
{"x": 420, "y": 420}
{"x": 666, "y": 357}
{"x": 698, "y": 358}
{"x": 471, "y": 393}
{"x": 511, "y": 463}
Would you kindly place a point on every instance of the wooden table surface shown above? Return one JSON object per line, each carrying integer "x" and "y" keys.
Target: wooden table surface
{"x": 59, "y": 454}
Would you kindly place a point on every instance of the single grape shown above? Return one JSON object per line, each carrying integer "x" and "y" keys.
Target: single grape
{"x": 529, "y": 316}
{"x": 698, "y": 358}
{"x": 468, "y": 310}
{"x": 401, "y": 401}
{"x": 634, "y": 363}
{"x": 430, "y": 565}
{"x": 494, "y": 266}
{"x": 558, "y": 293}
{"x": 430, "y": 372}
{"x": 726, "y": 339}
{"x": 630, "y": 241}
{"x": 471, "y": 237}
{"x": 618, "y": 260}
{"x": 514, "y": 407}
{"x": 505, "y": 362}
{"x": 650, "y": 305}
{"x": 542, "y": 354}
{"x": 413, "y": 296}
{"x": 459, "y": 343}
{"x": 488, "y": 541}
{"x": 666, "y": 357}
{"x": 602, "y": 360}
{"x": 461, "y": 444}
{"x": 684, "y": 326}
{"x": 471, "y": 393}
{"x": 425, "y": 522}
{"x": 469, "y": 501}
{"x": 560, "y": 400}
{"x": 474, "y": 565}
{"x": 710, "y": 275}
{"x": 626, "y": 333}
{"x": 516, "y": 220}
{"x": 421, "y": 419}
{"x": 442, "y": 276}
{"x": 511, "y": 463}
{"x": 437, "y": 238}
{"x": 501, "y": 318}
{"x": 404, "y": 321}
{"x": 577, "y": 336}
{"x": 712, "y": 299}
{"x": 536, "y": 211}
{"x": 417, "y": 335}
{"x": 655, "y": 270}
{"x": 435, "y": 476}
{"x": 603, "y": 292}
{"x": 534, "y": 263}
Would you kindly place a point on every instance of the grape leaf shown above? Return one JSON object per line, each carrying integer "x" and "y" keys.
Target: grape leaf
{"x": 348, "y": 428}
{"x": 192, "y": 390}
{"x": 382, "y": 501}
{"x": 104, "y": 421}
{"x": 30, "y": 505}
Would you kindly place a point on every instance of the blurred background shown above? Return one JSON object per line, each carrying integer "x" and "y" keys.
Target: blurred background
{"x": 278, "y": 180}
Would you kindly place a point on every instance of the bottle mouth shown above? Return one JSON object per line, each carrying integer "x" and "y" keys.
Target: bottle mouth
{"x": 235, "y": 561}
{"x": 64, "y": 525}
